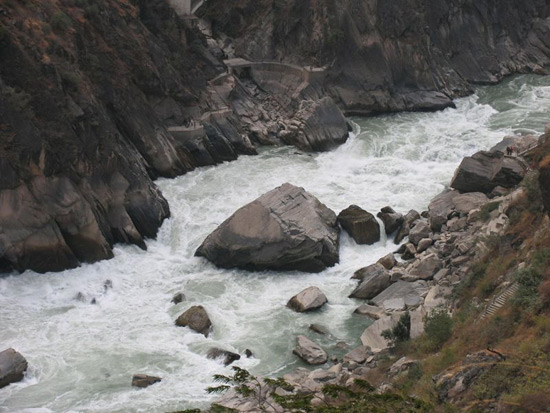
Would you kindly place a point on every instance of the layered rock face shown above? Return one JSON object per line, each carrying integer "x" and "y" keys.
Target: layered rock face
{"x": 389, "y": 56}
{"x": 284, "y": 229}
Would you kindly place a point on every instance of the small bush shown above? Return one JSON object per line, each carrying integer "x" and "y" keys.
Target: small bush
{"x": 438, "y": 327}
{"x": 60, "y": 22}
{"x": 401, "y": 332}
{"x": 527, "y": 296}
{"x": 485, "y": 212}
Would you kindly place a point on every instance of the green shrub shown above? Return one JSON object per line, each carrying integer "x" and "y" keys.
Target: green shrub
{"x": 486, "y": 210}
{"x": 401, "y": 332}
{"x": 527, "y": 296}
{"x": 438, "y": 327}
{"x": 60, "y": 22}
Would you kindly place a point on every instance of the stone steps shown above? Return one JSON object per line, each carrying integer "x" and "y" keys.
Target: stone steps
{"x": 500, "y": 300}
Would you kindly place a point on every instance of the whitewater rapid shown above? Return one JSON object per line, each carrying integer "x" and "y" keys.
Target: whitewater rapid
{"x": 82, "y": 356}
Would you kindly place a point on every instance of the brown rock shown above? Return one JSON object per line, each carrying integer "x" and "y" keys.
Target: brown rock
{"x": 310, "y": 299}
{"x": 196, "y": 319}
{"x": 12, "y": 367}
{"x": 360, "y": 225}
{"x": 143, "y": 380}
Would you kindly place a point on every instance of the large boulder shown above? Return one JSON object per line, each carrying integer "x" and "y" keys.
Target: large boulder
{"x": 447, "y": 202}
{"x": 392, "y": 220}
{"x": 372, "y": 336}
{"x": 420, "y": 231}
{"x": 284, "y": 229}
{"x": 484, "y": 171}
{"x": 374, "y": 279}
{"x": 196, "y": 318}
{"x": 426, "y": 267}
{"x": 310, "y": 352}
{"x": 12, "y": 367}
{"x": 410, "y": 293}
{"x": 310, "y": 299}
{"x": 361, "y": 225}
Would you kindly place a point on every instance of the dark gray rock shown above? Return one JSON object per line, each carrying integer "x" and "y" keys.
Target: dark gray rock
{"x": 392, "y": 220}
{"x": 374, "y": 279}
{"x": 388, "y": 261}
{"x": 12, "y": 367}
{"x": 310, "y": 299}
{"x": 196, "y": 319}
{"x": 408, "y": 222}
{"x": 484, "y": 171}
{"x": 227, "y": 356}
{"x": 178, "y": 298}
{"x": 360, "y": 225}
{"x": 143, "y": 380}
{"x": 284, "y": 229}
{"x": 426, "y": 267}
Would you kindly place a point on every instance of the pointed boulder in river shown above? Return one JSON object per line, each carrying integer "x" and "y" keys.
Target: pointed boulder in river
{"x": 285, "y": 229}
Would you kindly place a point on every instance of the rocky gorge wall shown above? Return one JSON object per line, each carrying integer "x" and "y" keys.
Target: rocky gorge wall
{"x": 391, "y": 56}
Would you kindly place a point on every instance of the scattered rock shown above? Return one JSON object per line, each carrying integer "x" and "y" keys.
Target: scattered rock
{"x": 228, "y": 356}
{"x": 426, "y": 267}
{"x": 310, "y": 299}
{"x": 388, "y": 261}
{"x": 358, "y": 355}
{"x": 484, "y": 171}
{"x": 401, "y": 365}
{"x": 424, "y": 244}
{"x": 319, "y": 329}
{"x": 310, "y": 352}
{"x": 408, "y": 222}
{"x": 360, "y": 225}
{"x": 420, "y": 231}
{"x": 412, "y": 293}
{"x": 372, "y": 337}
{"x": 12, "y": 367}
{"x": 370, "y": 311}
{"x": 143, "y": 380}
{"x": 392, "y": 220}
{"x": 409, "y": 251}
{"x": 178, "y": 298}
{"x": 196, "y": 319}
{"x": 284, "y": 229}
{"x": 375, "y": 279}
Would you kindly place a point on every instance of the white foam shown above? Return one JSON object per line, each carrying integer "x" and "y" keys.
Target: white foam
{"x": 83, "y": 355}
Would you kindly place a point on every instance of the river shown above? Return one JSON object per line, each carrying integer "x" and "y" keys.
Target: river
{"x": 82, "y": 356}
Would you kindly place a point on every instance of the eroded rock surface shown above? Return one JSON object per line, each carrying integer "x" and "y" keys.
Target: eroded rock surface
{"x": 284, "y": 229}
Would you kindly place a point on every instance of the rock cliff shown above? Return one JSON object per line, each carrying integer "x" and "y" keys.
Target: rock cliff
{"x": 392, "y": 55}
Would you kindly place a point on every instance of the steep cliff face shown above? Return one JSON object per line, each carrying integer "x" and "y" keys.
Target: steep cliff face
{"x": 88, "y": 90}
{"x": 392, "y": 55}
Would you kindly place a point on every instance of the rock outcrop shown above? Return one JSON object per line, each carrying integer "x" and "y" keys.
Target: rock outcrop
{"x": 390, "y": 56}
{"x": 484, "y": 171}
{"x": 284, "y": 229}
{"x": 310, "y": 299}
{"x": 12, "y": 367}
{"x": 196, "y": 318}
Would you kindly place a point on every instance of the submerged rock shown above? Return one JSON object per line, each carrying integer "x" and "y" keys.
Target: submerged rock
{"x": 309, "y": 351}
{"x": 12, "y": 367}
{"x": 196, "y": 319}
{"x": 143, "y": 380}
{"x": 360, "y": 225}
{"x": 310, "y": 299}
{"x": 228, "y": 356}
{"x": 178, "y": 298}
{"x": 284, "y": 229}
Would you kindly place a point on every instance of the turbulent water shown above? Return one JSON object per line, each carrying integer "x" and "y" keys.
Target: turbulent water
{"x": 82, "y": 355}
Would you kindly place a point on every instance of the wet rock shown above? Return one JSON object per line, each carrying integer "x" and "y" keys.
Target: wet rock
{"x": 309, "y": 351}
{"x": 107, "y": 285}
{"x": 12, "y": 367}
{"x": 420, "y": 231}
{"x": 319, "y": 329}
{"x": 284, "y": 229}
{"x": 309, "y": 299}
{"x": 392, "y": 220}
{"x": 196, "y": 319}
{"x": 375, "y": 278}
{"x": 360, "y": 225}
{"x": 178, "y": 298}
{"x": 143, "y": 380}
{"x": 248, "y": 353}
{"x": 388, "y": 261}
{"x": 484, "y": 171}
{"x": 227, "y": 356}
